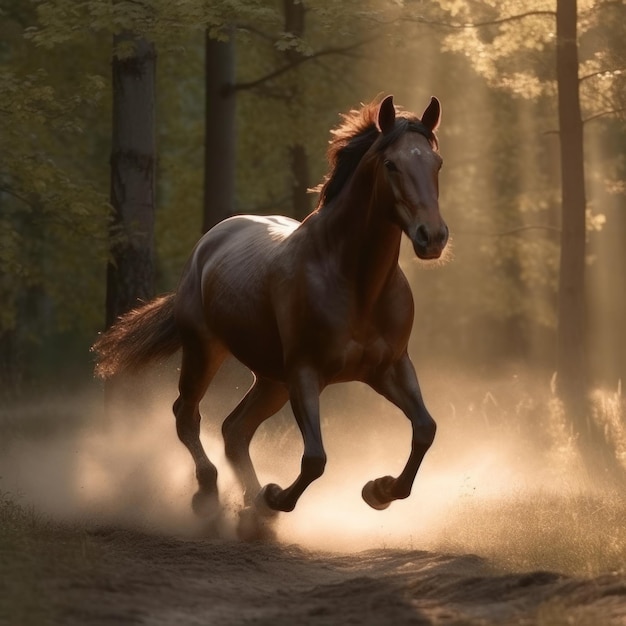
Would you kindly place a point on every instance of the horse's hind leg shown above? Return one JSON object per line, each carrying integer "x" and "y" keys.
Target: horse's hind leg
{"x": 200, "y": 361}
{"x": 264, "y": 398}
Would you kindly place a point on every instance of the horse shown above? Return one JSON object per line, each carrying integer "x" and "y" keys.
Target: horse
{"x": 303, "y": 305}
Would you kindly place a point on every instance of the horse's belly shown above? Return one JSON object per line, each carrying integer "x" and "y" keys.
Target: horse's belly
{"x": 256, "y": 343}
{"x": 360, "y": 360}
{"x": 244, "y": 322}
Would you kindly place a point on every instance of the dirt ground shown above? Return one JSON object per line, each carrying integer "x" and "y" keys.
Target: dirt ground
{"x": 156, "y": 580}
{"x": 116, "y": 553}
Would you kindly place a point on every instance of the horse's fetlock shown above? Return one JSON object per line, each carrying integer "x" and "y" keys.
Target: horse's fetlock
{"x": 400, "y": 492}
{"x": 207, "y": 478}
{"x": 314, "y": 466}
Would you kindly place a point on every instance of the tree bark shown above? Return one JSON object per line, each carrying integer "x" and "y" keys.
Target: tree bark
{"x": 572, "y": 356}
{"x": 572, "y": 330}
{"x": 220, "y": 132}
{"x": 295, "y": 14}
{"x": 130, "y": 272}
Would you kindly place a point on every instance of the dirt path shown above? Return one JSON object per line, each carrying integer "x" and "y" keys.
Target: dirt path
{"x": 151, "y": 580}
{"x": 72, "y": 572}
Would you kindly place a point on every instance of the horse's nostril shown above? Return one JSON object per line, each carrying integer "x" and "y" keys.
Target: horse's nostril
{"x": 421, "y": 236}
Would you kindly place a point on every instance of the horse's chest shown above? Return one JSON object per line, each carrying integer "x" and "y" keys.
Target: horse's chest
{"x": 348, "y": 346}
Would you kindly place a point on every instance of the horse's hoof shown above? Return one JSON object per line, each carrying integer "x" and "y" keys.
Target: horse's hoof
{"x": 254, "y": 526}
{"x": 372, "y": 494}
{"x": 215, "y": 527}
{"x": 266, "y": 499}
{"x": 205, "y": 505}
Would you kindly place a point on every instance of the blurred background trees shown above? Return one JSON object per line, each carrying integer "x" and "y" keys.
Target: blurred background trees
{"x": 277, "y": 74}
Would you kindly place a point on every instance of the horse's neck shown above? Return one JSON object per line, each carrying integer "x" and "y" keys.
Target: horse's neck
{"x": 365, "y": 241}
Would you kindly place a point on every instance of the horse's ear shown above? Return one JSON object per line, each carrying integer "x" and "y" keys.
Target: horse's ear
{"x": 432, "y": 115}
{"x": 386, "y": 115}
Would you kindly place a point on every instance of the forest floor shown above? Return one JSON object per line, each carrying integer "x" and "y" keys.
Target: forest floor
{"x": 95, "y": 530}
{"x": 115, "y": 576}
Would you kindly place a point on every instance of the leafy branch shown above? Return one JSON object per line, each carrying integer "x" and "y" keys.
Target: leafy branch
{"x": 603, "y": 114}
{"x": 601, "y": 73}
{"x": 297, "y": 61}
{"x": 494, "y": 22}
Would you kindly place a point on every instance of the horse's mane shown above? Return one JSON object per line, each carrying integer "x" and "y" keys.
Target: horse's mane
{"x": 354, "y": 137}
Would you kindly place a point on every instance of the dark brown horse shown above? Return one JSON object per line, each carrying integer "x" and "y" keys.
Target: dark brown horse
{"x": 304, "y": 305}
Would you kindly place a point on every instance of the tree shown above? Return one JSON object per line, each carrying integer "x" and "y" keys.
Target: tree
{"x": 283, "y": 53}
{"x": 295, "y": 19}
{"x": 52, "y": 211}
{"x": 572, "y": 359}
{"x": 500, "y": 41}
{"x": 219, "y": 129}
{"x": 130, "y": 272}
{"x": 137, "y": 28}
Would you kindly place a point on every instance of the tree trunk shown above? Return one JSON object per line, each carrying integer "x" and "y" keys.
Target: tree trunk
{"x": 295, "y": 13}
{"x": 130, "y": 272}
{"x": 572, "y": 331}
{"x": 572, "y": 358}
{"x": 299, "y": 166}
{"x": 220, "y": 132}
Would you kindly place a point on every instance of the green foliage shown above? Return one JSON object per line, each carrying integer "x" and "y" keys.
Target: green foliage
{"x": 496, "y": 83}
{"x": 163, "y": 22}
{"x": 515, "y": 195}
{"x": 52, "y": 214}
{"x": 180, "y": 114}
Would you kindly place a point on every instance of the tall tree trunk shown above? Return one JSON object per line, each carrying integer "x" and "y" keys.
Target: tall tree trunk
{"x": 572, "y": 357}
{"x": 219, "y": 132}
{"x": 295, "y": 14}
{"x": 572, "y": 331}
{"x": 300, "y": 176}
{"x": 130, "y": 273}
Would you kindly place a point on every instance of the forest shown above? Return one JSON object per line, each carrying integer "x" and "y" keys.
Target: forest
{"x": 129, "y": 128}
{"x": 232, "y": 115}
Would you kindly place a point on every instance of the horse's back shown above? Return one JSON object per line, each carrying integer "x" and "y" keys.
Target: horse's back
{"x": 225, "y": 287}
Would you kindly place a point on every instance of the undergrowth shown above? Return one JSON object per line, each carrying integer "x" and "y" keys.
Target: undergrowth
{"x": 35, "y": 552}
{"x": 564, "y": 518}
{"x": 577, "y": 534}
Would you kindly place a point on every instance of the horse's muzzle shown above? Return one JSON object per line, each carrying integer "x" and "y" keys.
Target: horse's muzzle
{"x": 429, "y": 243}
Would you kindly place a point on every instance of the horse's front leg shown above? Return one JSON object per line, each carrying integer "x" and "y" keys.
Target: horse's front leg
{"x": 304, "y": 390}
{"x": 399, "y": 385}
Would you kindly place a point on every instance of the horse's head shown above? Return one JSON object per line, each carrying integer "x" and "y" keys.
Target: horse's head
{"x": 411, "y": 171}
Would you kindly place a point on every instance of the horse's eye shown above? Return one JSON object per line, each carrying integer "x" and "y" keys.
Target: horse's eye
{"x": 390, "y": 165}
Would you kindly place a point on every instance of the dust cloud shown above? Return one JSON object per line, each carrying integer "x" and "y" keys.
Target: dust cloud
{"x": 501, "y": 449}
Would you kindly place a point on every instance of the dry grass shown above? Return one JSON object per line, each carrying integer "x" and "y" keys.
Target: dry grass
{"x": 561, "y": 520}
{"x": 578, "y": 534}
{"x": 33, "y": 552}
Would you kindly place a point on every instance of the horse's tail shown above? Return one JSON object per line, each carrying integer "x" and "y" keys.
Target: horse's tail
{"x": 144, "y": 334}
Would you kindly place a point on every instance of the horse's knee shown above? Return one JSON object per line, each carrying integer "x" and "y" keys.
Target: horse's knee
{"x": 187, "y": 421}
{"x": 424, "y": 432}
